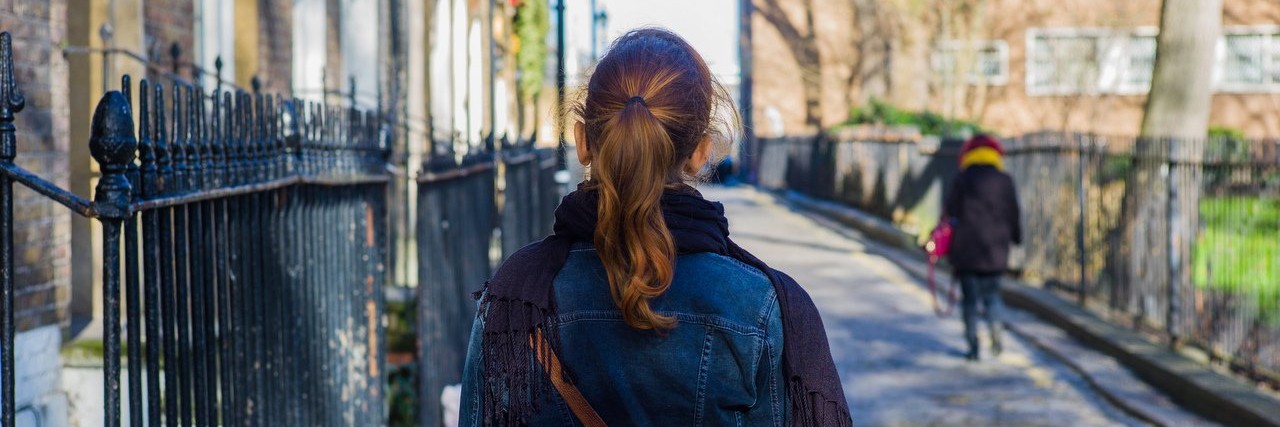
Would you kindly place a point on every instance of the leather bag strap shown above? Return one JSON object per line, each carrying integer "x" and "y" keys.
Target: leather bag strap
{"x": 577, "y": 403}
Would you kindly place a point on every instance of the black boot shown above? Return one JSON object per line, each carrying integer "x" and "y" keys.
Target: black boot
{"x": 972, "y": 355}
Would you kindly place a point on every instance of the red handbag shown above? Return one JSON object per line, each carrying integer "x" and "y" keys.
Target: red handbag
{"x": 938, "y": 246}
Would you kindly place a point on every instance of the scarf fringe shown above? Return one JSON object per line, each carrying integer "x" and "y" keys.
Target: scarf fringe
{"x": 810, "y": 408}
{"x": 514, "y": 395}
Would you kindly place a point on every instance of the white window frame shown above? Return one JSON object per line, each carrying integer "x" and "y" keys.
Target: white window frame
{"x": 974, "y": 75}
{"x": 1111, "y": 57}
{"x": 215, "y": 37}
{"x": 1270, "y": 60}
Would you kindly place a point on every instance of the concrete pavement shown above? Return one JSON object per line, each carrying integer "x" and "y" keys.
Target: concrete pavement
{"x": 901, "y": 365}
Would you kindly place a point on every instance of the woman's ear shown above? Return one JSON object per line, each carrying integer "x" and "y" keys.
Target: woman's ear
{"x": 580, "y": 143}
{"x": 700, "y": 157}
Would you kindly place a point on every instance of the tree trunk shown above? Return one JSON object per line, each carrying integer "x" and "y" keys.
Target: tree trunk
{"x": 1181, "y": 85}
{"x": 1160, "y": 212}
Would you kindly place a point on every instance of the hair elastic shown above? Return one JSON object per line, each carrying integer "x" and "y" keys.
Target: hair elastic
{"x": 637, "y": 98}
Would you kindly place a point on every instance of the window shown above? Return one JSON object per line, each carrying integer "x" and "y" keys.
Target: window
{"x": 1140, "y": 52}
{"x": 359, "y": 44}
{"x": 1090, "y": 61}
{"x": 1249, "y": 60}
{"x": 310, "y": 39}
{"x": 1062, "y": 64}
{"x": 984, "y": 62}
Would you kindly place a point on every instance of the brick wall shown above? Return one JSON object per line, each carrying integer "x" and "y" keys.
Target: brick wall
{"x": 275, "y": 52}
{"x": 169, "y": 21}
{"x": 41, "y": 227}
{"x": 333, "y": 58}
{"x": 166, "y": 22}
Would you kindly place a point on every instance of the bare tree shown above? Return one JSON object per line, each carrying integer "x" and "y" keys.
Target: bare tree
{"x": 802, "y": 42}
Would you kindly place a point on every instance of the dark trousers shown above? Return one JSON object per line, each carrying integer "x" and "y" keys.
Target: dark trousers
{"x": 984, "y": 288}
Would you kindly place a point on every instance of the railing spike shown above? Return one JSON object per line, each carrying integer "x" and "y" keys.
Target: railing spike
{"x": 193, "y": 138}
{"x": 178, "y": 147}
{"x": 146, "y": 146}
{"x": 11, "y": 100}
{"x": 164, "y": 161}
{"x": 126, "y": 88}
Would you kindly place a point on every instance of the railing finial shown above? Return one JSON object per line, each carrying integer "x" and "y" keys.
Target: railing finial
{"x": 11, "y": 99}
{"x": 352, "y": 82}
{"x": 217, "y": 69}
{"x": 112, "y": 144}
{"x": 175, "y": 53}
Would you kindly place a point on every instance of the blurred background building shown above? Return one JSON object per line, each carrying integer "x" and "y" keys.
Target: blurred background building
{"x": 1011, "y": 66}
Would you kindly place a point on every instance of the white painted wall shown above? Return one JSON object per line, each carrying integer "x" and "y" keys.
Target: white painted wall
{"x": 39, "y": 398}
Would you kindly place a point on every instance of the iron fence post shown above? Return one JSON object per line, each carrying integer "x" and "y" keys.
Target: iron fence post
{"x": 11, "y": 101}
{"x": 1082, "y": 200}
{"x": 1176, "y": 239}
{"x": 112, "y": 144}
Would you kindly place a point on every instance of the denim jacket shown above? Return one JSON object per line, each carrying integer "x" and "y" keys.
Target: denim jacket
{"x": 720, "y": 366}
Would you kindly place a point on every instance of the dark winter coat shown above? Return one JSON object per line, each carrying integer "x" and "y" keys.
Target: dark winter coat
{"x": 983, "y": 206}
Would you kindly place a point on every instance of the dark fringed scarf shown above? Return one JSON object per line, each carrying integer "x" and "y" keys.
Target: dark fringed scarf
{"x": 520, "y": 301}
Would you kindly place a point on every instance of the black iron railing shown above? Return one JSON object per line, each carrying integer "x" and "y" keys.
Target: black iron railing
{"x": 456, "y": 223}
{"x": 248, "y": 237}
{"x": 1174, "y": 237}
{"x": 530, "y": 194}
{"x": 246, "y": 234}
{"x": 457, "y": 247}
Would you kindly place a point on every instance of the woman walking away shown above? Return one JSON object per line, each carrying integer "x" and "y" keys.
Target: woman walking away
{"x": 983, "y": 207}
{"x": 639, "y": 309}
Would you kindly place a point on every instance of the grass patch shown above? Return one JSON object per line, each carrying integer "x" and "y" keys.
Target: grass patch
{"x": 1239, "y": 250}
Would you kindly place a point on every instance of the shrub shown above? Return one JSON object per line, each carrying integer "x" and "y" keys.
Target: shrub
{"x": 930, "y": 123}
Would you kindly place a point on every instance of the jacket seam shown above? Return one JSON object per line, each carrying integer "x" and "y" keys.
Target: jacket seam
{"x": 750, "y": 270}
{"x": 765, "y": 308}
{"x": 703, "y": 320}
{"x": 774, "y": 398}
{"x": 703, "y": 363}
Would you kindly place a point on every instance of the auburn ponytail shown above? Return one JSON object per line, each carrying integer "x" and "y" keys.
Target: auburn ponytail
{"x": 630, "y": 170}
{"x": 648, "y": 106}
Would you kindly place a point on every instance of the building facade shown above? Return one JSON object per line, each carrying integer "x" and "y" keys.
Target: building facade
{"x": 41, "y": 226}
{"x": 1012, "y": 66}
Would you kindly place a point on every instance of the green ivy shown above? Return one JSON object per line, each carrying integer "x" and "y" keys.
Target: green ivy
{"x": 532, "y": 24}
